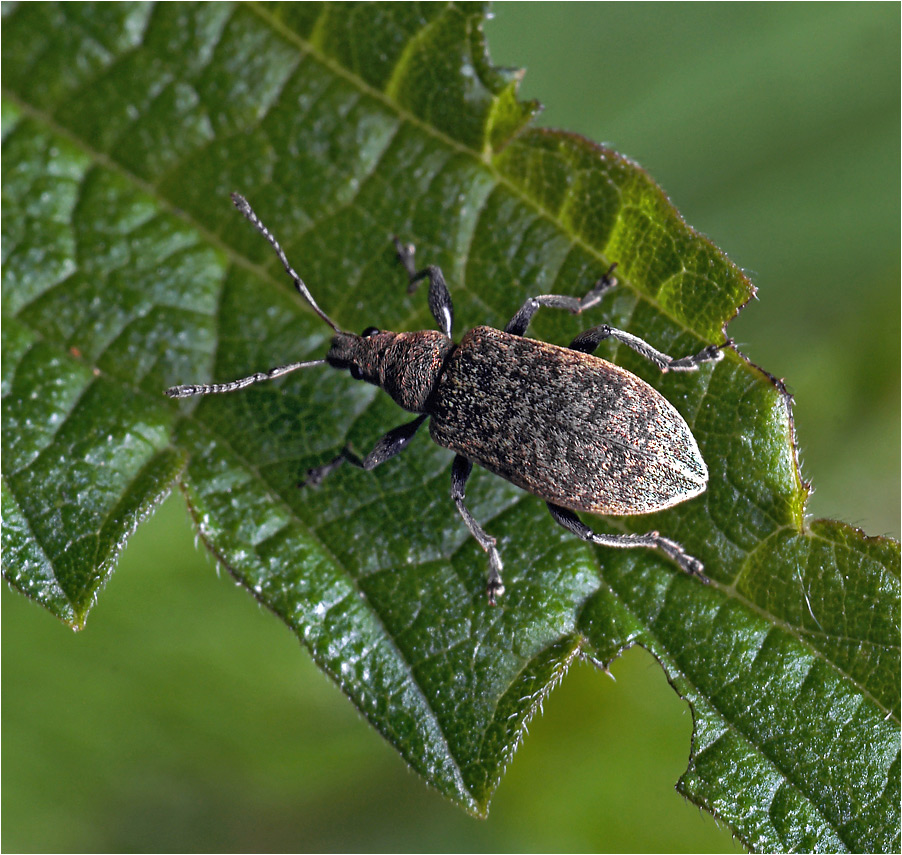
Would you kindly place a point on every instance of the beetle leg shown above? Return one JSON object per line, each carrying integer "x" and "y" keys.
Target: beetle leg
{"x": 460, "y": 472}
{"x": 439, "y": 297}
{"x": 519, "y": 322}
{"x": 588, "y": 341}
{"x": 652, "y": 540}
{"x": 394, "y": 442}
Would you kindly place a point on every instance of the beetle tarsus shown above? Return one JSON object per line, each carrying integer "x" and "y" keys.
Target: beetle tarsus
{"x": 318, "y": 474}
{"x": 494, "y": 589}
{"x": 711, "y": 353}
{"x": 687, "y": 563}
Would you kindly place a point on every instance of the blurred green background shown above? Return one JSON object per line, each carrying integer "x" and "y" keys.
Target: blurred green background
{"x": 185, "y": 718}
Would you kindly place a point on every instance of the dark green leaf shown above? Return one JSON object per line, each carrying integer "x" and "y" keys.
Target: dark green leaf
{"x": 126, "y": 271}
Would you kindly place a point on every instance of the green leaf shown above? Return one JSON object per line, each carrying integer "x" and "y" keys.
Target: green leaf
{"x": 126, "y": 271}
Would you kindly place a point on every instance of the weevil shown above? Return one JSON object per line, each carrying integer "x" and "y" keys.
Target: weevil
{"x": 575, "y": 430}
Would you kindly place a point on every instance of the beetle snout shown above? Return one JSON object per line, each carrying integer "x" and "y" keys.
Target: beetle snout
{"x": 361, "y": 355}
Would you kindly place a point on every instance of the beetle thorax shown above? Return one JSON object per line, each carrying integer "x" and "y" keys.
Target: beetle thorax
{"x": 406, "y": 365}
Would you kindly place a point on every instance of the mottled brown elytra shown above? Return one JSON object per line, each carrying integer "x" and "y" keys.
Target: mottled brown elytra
{"x": 574, "y": 430}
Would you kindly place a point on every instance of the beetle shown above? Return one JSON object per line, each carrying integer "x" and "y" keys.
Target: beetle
{"x": 573, "y": 429}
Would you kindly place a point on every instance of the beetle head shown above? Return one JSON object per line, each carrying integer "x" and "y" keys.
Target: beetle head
{"x": 406, "y": 365}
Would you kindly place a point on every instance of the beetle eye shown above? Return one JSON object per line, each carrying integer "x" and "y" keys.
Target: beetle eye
{"x": 355, "y": 372}
{"x": 369, "y": 331}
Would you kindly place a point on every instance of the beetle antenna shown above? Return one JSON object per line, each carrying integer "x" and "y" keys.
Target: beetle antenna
{"x": 234, "y": 385}
{"x": 244, "y": 206}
